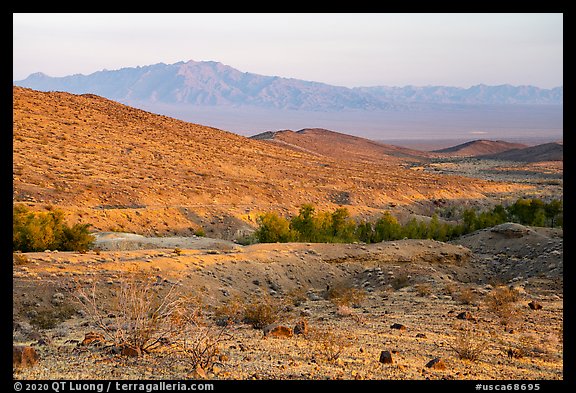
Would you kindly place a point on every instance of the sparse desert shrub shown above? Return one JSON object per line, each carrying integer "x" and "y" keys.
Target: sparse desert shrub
{"x": 342, "y": 294}
{"x": 400, "y": 281}
{"x": 261, "y": 311}
{"x": 230, "y": 312}
{"x": 200, "y": 232}
{"x": 247, "y": 240}
{"x": 49, "y": 319}
{"x": 466, "y": 296}
{"x": 450, "y": 289}
{"x": 468, "y": 343}
{"x": 328, "y": 344}
{"x": 530, "y": 345}
{"x": 202, "y": 347}
{"x": 296, "y": 296}
{"x": 145, "y": 318}
{"x": 19, "y": 259}
{"x": 423, "y": 289}
{"x": 501, "y": 302}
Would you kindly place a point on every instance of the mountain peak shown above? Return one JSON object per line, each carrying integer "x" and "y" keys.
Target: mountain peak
{"x": 38, "y": 75}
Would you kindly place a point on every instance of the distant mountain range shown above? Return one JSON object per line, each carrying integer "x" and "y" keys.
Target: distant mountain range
{"x": 209, "y": 83}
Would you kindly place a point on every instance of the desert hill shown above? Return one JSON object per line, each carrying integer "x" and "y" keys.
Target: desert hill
{"x": 480, "y": 147}
{"x": 125, "y": 169}
{"x": 544, "y": 152}
{"x": 340, "y": 146}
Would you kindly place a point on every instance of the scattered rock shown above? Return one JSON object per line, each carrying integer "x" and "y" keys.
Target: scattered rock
{"x": 386, "y": 357}
{"x": 313, "y": 296}
{"x": 277, "y": 331}
{"x": 301, "y": 327}
{"x": 398, "y": 326}
{"x": 92, "y": 338}
{"x": 42, "y": 342}
{"x": 534, "y": 305}
{"x": 436, "y": 364}
{"x": 23, "y": 356}
{"x": 130, "y": 351}
{"x": 420, "y": 335}
{"x": 199, "y": 373}
{"x": 57, "y": 299}
{"x": 466, "y": 315}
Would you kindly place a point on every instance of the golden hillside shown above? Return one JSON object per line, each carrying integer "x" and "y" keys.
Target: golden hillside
{"x": 121, "y": 168}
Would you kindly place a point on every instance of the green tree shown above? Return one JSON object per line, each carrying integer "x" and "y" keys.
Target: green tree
{"x": 39, "y": 231}
{"x": 273, "y": 229}
{"x": 387, "y": 228}
{"x": 343, "y": 227}
{"x": 470, "y": 220}
{"x": 77, "y": 238}
{"x": 304, "y": 223}
{"x": 322, "y": 229}
{"x": 365, "y": 232}
{"x": 553, "y": 211}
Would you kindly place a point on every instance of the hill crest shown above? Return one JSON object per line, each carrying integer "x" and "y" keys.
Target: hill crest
{"x": 480, "y": 147}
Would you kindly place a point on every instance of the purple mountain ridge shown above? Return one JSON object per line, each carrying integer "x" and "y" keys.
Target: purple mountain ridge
{"x": 209, "y": 83}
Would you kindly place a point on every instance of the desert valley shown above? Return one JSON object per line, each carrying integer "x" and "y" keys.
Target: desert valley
{"x": 176, "y": 284}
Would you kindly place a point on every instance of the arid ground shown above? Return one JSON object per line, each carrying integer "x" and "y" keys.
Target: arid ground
{"x": 489, "y": 304}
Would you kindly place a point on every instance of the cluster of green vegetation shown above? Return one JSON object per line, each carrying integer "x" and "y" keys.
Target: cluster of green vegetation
{"x": 338, "y": 227}
{"x": 39, "y": 231}
{"x": 526, "y": 211}
{"x": 307, "y": 226}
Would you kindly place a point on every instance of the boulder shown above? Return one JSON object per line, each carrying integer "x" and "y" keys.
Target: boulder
{"x": 24, "y": 356}
{"x": 92, "y": 338}
{"x": 277, "y": 331}
{"x": 386, "y": 357}
{"x": 301, "y": 327}
{"x": 436, "y": 364}
{"x": 534, "y": 305}
{"x": 398, "y": 326}
{"x": 130, "y": 351}
{"x": 466, "y": 315}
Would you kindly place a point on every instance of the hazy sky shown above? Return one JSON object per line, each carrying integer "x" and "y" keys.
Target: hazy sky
{"x": 340, "y": 49}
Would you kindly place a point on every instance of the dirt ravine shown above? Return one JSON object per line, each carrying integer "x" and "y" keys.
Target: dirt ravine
{"x": 415, "y": 283}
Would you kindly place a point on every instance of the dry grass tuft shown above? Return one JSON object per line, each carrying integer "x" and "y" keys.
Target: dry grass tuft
{"x": 469, "y": 343}
{"x": 343, "y": 294}
{"x": 328, "y": 344}
{"x": 501, "y": 302}
{"x": 145, "y": 318}
{"x": 261, "y": 311}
